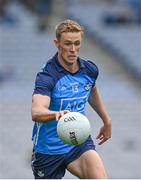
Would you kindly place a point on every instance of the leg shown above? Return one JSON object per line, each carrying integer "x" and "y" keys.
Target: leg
{"x": 88, "y": 166}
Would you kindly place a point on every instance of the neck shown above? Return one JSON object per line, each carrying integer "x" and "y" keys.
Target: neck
{"x": 71, "y": 67}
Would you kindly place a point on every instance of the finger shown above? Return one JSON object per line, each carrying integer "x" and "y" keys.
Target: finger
{"x": 66, "y": 111}
{"x": 101, "y": 142}
{"x": 99, "y": 136}
{"x": 57, "y": 115}
{"x": 61, "y": 113}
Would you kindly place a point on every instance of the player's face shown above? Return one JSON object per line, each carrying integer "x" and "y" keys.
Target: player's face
{"x": 69, "y": 46}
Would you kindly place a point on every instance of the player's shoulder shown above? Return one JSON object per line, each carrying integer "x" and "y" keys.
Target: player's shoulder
{"x": 46, "y": 72}
{"x": 51, "y": 70}
{"x": 89, "y": 64}
{"x": 49, "y": 66}
{"x": 90, "y": 67}
{"x": 45, "y": 76}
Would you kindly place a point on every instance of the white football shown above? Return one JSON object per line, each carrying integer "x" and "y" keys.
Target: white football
{"x": 73, "y": 128}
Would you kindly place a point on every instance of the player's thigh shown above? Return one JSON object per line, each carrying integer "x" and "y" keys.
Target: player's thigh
{"x": 88, "y": 165}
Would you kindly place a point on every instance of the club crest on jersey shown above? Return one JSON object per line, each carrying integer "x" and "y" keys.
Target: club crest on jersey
{"x": 87, "y": 86}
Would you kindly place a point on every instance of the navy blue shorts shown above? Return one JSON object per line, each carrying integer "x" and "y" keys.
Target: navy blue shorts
{"x": 46, "y": 166}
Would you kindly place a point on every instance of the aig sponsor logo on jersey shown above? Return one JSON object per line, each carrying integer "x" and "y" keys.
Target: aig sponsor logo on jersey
{"x": 74, "y": 104}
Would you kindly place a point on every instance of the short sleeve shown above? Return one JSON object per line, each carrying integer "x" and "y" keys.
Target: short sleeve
{"x": 43, "y": 84}
{"x": 91, "y": 69}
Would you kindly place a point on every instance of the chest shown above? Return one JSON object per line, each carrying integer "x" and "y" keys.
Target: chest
{"x": 71, "y": 86}
{"x": 71, "y": 92}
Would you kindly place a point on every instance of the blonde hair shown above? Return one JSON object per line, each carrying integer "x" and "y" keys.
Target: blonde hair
{"x": 68, "y": 26}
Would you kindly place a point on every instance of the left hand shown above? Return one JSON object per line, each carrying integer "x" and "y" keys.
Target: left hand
{"x": 105, "y": 133}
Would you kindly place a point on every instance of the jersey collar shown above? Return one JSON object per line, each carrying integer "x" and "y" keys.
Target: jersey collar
{"x": 60, "y": 68}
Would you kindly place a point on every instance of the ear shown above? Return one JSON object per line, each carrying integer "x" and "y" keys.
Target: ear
{"x": 56, "y": 42}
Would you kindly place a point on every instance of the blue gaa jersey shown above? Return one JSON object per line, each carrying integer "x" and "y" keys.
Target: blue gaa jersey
{"x": 67, "y": 91}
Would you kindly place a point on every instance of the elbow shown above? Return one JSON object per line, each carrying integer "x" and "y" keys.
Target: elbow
{"x": 35, "y": 117}
{"x": 35, "y": 114}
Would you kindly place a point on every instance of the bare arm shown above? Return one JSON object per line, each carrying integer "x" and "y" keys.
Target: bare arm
{"x": 40, "y": 111}
{"x": 97, "y": 104}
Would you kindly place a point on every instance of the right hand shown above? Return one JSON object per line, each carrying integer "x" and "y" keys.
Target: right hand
{"x": 105, "y": 133}
{"x": 59, "y": 114}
